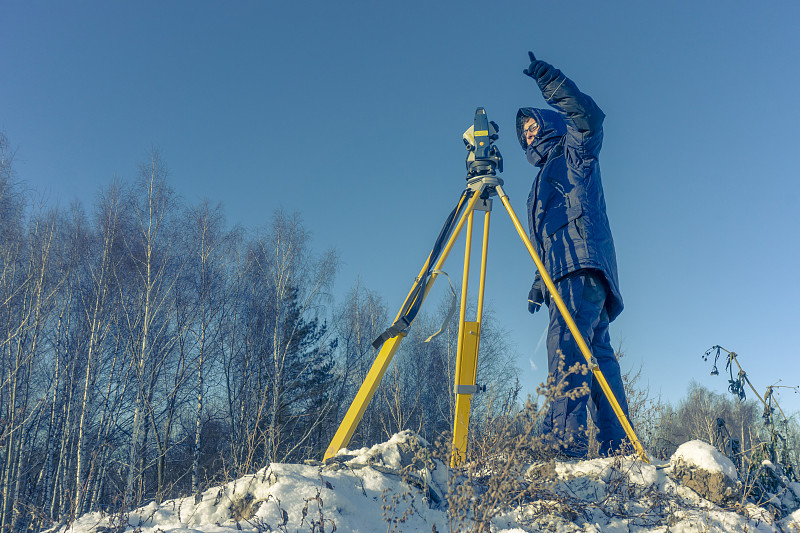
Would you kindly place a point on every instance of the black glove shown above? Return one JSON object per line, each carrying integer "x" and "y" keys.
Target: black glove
{"x": 540, "y": 71}
{"x": 535, "y": 299}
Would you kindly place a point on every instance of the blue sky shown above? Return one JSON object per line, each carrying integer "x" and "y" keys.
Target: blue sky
{"x": 352, "y": 113}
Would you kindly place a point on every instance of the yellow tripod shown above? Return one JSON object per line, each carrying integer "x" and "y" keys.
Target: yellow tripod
{"x": 477, "y": 197}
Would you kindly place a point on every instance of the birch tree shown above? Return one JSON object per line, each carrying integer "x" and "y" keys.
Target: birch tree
{"x": 212, "y": 250}
{"x": 284, "y": 345}
{"x": 360, "y": 319}
{"x": 297, "y": 282}
{"x": 32, "y": 290}
{"x": 146, "y": 287}
{"x": 96, "y": 299}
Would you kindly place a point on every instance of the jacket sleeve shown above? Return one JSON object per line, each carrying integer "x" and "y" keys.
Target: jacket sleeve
{"x": 582, "y": 115}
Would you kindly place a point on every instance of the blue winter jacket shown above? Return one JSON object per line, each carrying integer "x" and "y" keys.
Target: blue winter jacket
{"x": 566, "y": 207}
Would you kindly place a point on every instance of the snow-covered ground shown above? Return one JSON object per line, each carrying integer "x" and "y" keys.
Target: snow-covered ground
{"x": 384, "y": 488}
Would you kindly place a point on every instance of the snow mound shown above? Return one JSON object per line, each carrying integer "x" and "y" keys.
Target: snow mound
{"x": 397, "y": 486}
{"x": 706, "y": 457}
{"x": 702, "y": 468}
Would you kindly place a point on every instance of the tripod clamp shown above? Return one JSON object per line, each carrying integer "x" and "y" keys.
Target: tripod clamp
{"x": 485, "y": 184}
{"x": 469, "y": 389}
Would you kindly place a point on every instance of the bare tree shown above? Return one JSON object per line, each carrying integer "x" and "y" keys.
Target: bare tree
{"x": 212, "y": 251}
{"x": 146, "y": 289}
{"x": 360, "y": 319}
{"x": 96, "y": 299}
{"x": 28, "y": 289}
{"x": 284, "y": 350}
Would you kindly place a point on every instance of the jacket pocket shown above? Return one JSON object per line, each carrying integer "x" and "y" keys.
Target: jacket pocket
{"x": 561, "y": 218}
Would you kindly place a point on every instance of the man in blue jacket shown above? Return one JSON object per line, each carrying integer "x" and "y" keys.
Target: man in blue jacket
{"x": 570, "y": 231}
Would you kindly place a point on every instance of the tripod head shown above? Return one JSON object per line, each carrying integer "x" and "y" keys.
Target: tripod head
{"x": 483, "y": 157}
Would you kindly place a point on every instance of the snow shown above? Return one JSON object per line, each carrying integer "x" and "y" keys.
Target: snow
{"x": 388, "y": 451}
{"x": 706, "y": 457}
{"x": 365, "y": 491}
{"x": 793, "y": 518}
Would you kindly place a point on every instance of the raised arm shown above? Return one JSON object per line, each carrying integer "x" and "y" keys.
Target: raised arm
{"x": 584, "y": 119}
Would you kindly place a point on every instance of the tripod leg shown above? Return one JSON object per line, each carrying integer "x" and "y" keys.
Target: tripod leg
{"x": 590, "y": 360}
{"x": 367, "y": 390}
{"x": 467, "y": 366}
{"x": 469, "y": 335}
{"x": 464, "y": 361}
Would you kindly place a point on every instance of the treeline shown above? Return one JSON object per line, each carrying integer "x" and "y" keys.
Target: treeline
{"x": 747, "y": 431}
{"x": 148, "y": 350}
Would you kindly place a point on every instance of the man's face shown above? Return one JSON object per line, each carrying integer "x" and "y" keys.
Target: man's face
{"x": 531, "y": 128}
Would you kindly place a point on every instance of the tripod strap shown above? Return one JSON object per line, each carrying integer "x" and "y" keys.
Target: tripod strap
{"x": 417, "y": 294}
{"x": 450, "y": 312}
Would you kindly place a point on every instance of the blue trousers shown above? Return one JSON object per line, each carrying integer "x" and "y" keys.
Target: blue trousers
{"x": 584, "y": 294}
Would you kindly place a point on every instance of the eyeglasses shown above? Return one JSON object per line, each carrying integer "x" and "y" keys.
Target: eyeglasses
{"x": 533, "y": 128}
